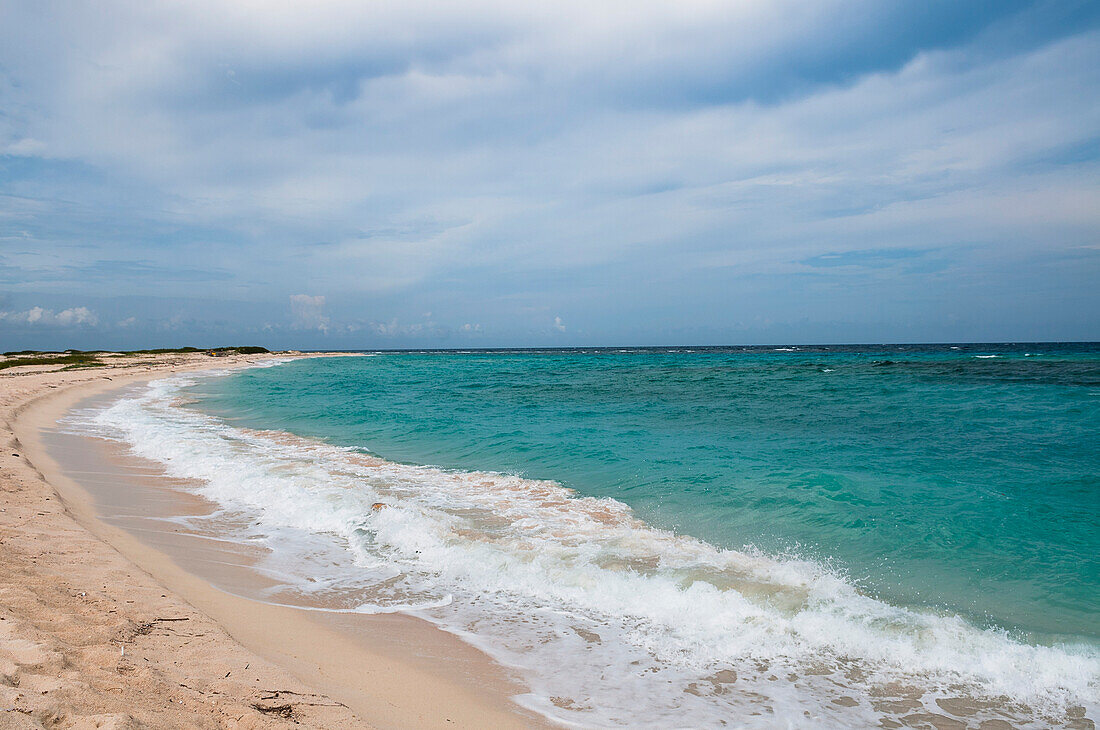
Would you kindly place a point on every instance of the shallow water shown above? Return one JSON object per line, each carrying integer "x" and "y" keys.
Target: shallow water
{"x": 796, "y": 536}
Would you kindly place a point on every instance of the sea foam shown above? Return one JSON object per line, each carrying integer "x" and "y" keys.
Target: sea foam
{"x": 611, "y": 621}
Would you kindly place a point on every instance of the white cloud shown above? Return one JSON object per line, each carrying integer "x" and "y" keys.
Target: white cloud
{"x": 307, "y": 312}
{"x": 385, "y": 328}
{"x": 79, "y": 315}
{"x": 40, "y": 317}
{"x": 25, "y": 147}
{"x": 511, "y": 144}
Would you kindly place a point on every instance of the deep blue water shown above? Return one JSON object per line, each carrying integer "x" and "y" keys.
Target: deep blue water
{"x": 933, "y": 476}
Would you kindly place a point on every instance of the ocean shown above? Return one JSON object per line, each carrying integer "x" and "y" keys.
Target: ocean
{"x": 684, "y": 537}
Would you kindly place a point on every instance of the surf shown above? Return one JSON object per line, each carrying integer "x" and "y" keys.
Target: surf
{"x": 609, "y": 618}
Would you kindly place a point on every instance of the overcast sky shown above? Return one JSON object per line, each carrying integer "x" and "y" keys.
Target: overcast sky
{"x": 436, "y": 174}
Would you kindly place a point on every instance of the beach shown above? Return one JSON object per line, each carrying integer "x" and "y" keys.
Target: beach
{"x": 100, "y": 630}
{"x": 645, "y": 366}
{"x": 533, "y": 538}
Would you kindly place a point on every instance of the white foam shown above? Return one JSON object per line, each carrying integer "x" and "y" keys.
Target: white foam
{"x": 613, "y": 622}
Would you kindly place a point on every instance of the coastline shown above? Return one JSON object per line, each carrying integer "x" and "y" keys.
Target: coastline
{"x": 91, "y": 613}
{"x": 260, "y": 564}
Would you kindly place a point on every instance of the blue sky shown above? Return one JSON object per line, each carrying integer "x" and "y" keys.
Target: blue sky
{"x": 437, "y": 174}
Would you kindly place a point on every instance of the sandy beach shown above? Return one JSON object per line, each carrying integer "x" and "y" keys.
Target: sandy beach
{"x": 100, "y": 629}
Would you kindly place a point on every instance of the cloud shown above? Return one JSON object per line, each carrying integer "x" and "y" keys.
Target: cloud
{"x": 559, "y": 325}
{"x": 25, "y": 147}
{"x": 39, "y": 317}
{"x": 412, "y": 331}
{"x": 505, "y": 161}
{"x": 306, "y": 312}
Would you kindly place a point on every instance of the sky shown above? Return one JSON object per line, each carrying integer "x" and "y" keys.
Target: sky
{"x": 353, "y": 175}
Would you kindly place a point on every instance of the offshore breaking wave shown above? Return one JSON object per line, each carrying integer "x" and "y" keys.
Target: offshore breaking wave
{"x": 610, "y": 620}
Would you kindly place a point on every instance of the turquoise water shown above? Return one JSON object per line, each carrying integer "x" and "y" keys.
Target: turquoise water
{"x": 773, "y": 537}
{"x": 960, "y": 479}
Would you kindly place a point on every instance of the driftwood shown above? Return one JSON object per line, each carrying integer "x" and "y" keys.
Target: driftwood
{"x": 273, "y": 703}
{"x": 286, "y": 710}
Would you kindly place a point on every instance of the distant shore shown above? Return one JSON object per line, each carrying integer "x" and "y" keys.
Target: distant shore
{"x": 97, "y": 627}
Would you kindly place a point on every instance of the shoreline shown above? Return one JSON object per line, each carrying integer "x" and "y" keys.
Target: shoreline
{"x": 272, "y": 488}
{"x": 397, "y": 671}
